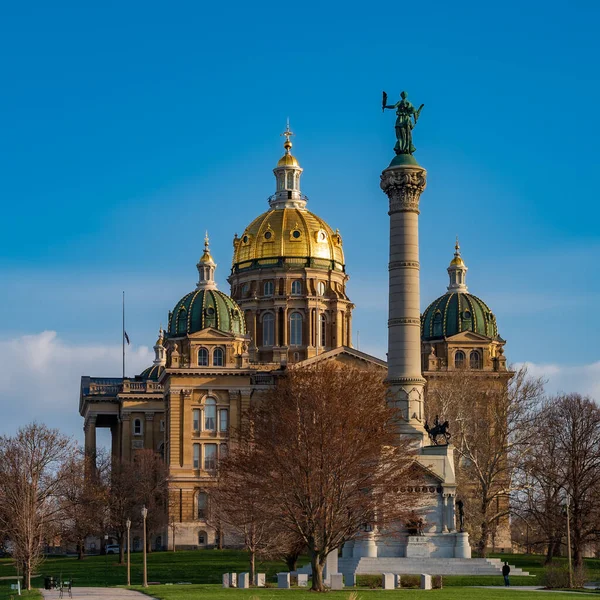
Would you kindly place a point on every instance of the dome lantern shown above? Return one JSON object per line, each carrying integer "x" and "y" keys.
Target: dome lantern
{"x": 287, "y": 177}
{"x": 457, "y": 272}
{"x": 206, "y": 269}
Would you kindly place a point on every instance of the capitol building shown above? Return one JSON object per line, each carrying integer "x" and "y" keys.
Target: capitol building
{"x": 287, "y": 308}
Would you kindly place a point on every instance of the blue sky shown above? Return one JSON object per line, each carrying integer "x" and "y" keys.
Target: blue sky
{"x": 127, "y": 129}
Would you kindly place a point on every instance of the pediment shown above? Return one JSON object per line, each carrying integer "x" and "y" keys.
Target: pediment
{"x": 469, "y": 336}
{"x": 211, "y": 334}
{"x": 345, "y": 355}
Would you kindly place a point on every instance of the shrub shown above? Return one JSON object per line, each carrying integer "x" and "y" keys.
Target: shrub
{"x": 557, "y": 576}
{"x": 436, "y": 582}
{"x": 410, "y": 581}
{"x": 370, "y": 581}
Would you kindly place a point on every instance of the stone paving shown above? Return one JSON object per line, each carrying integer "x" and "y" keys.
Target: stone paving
{"x": 91, "y": 593}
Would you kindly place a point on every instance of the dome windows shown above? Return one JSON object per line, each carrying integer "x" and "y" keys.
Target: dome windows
{"x": 297, "y": 287}
{"x": 467, "y": 315}
{"x": 296, "y": 234}
{"x": 321, "y": 288}
{"x": 268, "y": 288}
{"x": 268, "y": 329}
{"x": 268, "y": 235}
{"x": 321, "y": 236}
{"x": 296, "y": 329}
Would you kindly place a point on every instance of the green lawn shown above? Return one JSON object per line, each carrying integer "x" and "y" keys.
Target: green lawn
{"x": 204, "y": 566}
{"x": 215, "y": 592}
{"x": 6, "y": 593}
{"x": 207, "y": 567}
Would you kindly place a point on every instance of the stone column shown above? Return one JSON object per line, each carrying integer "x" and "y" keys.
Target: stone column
{"x": 125, "y": 436}
{"x": 451, "y": 518}
{"x": 444, "y": 513}
{"x": 403, "y": 181}
{"x": 89, "y": 428}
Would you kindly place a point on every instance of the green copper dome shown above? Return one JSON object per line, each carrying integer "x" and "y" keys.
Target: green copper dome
{"x": 455, "y": 312}
{"x": 152, "y": 373}
{"x": 204, "y": 308}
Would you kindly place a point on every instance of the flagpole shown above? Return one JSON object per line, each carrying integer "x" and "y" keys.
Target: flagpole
{"x": 123, "y": 335}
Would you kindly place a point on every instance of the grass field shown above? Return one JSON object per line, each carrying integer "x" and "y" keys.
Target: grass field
{"x": 207, "y": 567}
{"x": 214, "y": 592}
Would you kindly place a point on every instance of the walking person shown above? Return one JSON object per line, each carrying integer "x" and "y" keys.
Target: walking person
{"x": 506, "y": 573}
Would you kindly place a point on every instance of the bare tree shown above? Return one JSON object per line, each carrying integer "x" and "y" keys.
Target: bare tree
{"x": 540, "y": 497}
{"x": 241, "y": 509}
{"x": 151, "y": 473}
{"x": 33, "y": 473}
{"x": 491, "y": 429}
{"x": 322, "y": 459}
{"x": 83, "y": 500}
{"x": 122, "y": 501}
{"x": 573, "y": 422}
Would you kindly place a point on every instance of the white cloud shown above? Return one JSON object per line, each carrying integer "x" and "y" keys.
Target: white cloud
{"x": 41, "y": 377}
{"x": 582, "y": 379}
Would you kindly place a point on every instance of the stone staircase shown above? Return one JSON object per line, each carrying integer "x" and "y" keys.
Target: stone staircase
{"x": 432, "y": 566}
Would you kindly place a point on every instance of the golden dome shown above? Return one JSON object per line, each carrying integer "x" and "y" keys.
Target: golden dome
{"x": 287, "y": 160}
{"x": 457, "y": 261}
{"x": 292, "y": 235}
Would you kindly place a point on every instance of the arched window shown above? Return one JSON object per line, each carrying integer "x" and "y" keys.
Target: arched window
{"x": 218, "y": 357}
{"x": 137, "y": 427}
{"x": 290, "y": 180}
{"x": 182, "y": 321}
{"x": 202, "y": 500}
{"x": 161, "y": 450}
{"x": 474, "y": 360}
{"x": 296, "y": 329}
{"x": 210, "y": 414}
{"x": 268, "y": 288}
{"x": 321, "y": 288}
{"x": 296, "y": 288}
{"x": 203, "y": 357}
{"x": 323, "y": 330}
{"x": 268, "y": 329}
{"x": 437, "y": 324}
{"x": 459, "y": 359}
{"x": 202, "y": 538}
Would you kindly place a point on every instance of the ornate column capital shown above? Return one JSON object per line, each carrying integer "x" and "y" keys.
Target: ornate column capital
{"x": 403, "y": 185}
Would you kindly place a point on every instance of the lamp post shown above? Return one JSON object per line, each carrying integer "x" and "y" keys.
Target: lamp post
{"x": 128, "y": 525}
{"x": 105, "y": 560}
{"x": 569, "y": 543}
{"x": 144, "y": 515}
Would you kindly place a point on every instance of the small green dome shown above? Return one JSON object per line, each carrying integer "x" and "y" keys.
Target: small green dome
{"x": 455, "y": 312}
{"x": 204, "y": 308}
{"x": 151, "y": 373}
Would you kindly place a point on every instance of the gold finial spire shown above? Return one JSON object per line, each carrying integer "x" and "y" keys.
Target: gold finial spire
{"x": 206, "y": 257}
{"x": 457, "y": 260}
{"x": 287, "y": 134}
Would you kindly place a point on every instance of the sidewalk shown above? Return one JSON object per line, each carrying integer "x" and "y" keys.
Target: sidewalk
{"x": 90, "y": 593}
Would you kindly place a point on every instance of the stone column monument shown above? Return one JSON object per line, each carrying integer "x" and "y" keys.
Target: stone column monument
{"x": 403, "y": 182}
